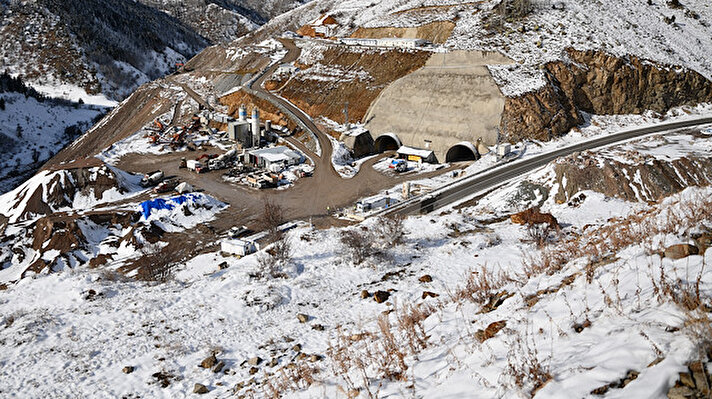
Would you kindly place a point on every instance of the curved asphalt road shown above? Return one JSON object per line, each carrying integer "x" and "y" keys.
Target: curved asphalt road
{"x": 499, "y": 175}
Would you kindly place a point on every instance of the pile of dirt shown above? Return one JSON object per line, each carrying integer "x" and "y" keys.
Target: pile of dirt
{"x": 51, "y": 191}
{"x": 59, "y": 239}
{"x": 599, "y": 83}
{"x": 375, "y": 69}
{"x": 648, "y": 180}
{"x": 436, "y": 32}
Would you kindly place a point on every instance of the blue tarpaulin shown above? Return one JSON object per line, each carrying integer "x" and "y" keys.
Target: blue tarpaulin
{"x": 164, "y": 203}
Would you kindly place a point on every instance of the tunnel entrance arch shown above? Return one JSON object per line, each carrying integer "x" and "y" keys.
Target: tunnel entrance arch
{"x": 387, "y": 142}
{"x": 464, "y": 151}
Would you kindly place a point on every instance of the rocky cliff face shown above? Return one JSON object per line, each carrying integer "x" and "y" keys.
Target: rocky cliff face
{"x": 646, "y": 180}
{"x": 598, "y": 83}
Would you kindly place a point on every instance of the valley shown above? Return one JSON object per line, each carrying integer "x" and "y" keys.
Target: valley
{"x": 357, "y": 199}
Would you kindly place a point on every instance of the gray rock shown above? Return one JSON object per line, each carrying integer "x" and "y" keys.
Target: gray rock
{"x": 200, "y": 389}
{"x": 218, "y": 367}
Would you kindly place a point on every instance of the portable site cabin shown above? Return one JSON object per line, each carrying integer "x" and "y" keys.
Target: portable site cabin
{"x": 374, "y": 203}
{"x": 416, "y": 154}
{"x": 275, "y": 157}
{"x": 286, "y": 68}
{"x": 238, "y": 247}
{"x": 401, "y": 42}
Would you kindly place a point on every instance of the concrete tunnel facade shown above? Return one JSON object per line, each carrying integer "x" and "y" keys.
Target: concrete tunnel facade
{"x": 452, "y": 100}
{"x": 463, "y": 151}
{"x": 387, "y": 142}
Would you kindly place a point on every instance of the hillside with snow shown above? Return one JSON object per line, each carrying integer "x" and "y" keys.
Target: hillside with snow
{"x": 34, "y": 128}
{"x": 461, "y": 303}
{"x": 110, "y": 48}
{"x": 668, "y": 32}
{"x": 576, "y": 270}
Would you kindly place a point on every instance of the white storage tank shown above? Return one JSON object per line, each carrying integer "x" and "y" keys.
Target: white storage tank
{"x": 255, "y": 127}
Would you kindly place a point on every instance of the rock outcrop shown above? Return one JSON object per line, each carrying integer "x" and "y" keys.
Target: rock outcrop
{"x": 598, "y": 83}
{"x": 651, "y": 180}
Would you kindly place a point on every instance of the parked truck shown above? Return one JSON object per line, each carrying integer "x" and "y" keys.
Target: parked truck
{"x": 400, "y": 165}
{"x": 152, "y": 178}
{"x": 193, "y": 164}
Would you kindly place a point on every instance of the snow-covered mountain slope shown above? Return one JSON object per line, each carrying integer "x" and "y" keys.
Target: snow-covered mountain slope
{"x": 111, "y": 47}
{"x": 33, "y": 130}
{"x": 76, "y": 187}
{"x": 668, "y": 32}
{"x": 101, "y": 46}
{"x": 225, "y": 20}
{"x": 468, "y": 306}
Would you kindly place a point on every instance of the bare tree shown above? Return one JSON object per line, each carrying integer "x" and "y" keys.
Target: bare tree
{"x": 272, "y": 217}
{"x": 155, "y": 265}
{"x": 390, "y": 230}
{"x": 358, "y": 246}
{"x": 273, "y": 261}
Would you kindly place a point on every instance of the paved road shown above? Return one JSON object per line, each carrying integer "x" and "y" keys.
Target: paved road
{"x": 497, "y": 176}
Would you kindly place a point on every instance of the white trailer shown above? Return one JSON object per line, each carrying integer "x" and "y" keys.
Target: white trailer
{"x": 238, "y": 247}
{"x": 374, "y": 203}
{"x": 193, "y": 164}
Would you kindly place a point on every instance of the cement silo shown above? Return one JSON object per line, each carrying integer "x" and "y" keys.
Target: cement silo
{"x": 242, "y": 113}
{"x": 255, "y": 127}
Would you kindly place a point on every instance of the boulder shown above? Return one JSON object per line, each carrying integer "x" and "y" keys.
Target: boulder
{"x": 218, "y": 367}
{"x": 381, "y": 296}
{"x": 209, "y": 362}
{"x": 254, "y": 361}
{"x": 425, "y": 278}
{"x": 128, "y": 369}
{"x": 680, "y": 251}
{"x": 303, "y": 318}
{"x": 200, "y": 389}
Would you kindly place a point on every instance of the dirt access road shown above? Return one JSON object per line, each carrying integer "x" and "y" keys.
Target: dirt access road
{"x": 309, "y": 198}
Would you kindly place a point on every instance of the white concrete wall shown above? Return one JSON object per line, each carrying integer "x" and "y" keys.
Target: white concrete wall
{"x": 453, "y": 98}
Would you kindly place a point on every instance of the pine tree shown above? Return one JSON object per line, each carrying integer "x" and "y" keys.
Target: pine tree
{"x": 2, "y": 103}
{"x": 19, "y": 131}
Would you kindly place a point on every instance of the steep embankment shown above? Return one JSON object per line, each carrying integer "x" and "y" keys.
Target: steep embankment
{"x": 332, "y": 76}
{"x": 599, "y": 83}
{"x": 435, "y": 32}
{"x": 644, "y": 170}
{"x": 142, "y": 107}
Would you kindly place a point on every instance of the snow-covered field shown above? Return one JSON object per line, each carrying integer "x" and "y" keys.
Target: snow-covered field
{"x": 592, "y": 305}
{"x": 90, "y": 324}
